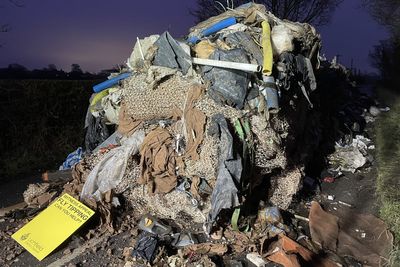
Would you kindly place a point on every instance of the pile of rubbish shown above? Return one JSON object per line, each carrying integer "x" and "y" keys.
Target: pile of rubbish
{"x": 200, "y": 120}
{"x": 348, "y": 116}
{"x": 204, "y": 142}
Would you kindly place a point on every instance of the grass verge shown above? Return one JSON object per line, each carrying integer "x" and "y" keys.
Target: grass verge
{"x": 388, "y": 155}
{"x": 41, "y": 122}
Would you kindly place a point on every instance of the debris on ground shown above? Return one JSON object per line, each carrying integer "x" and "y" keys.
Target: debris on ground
{"x": 362, "y": 236}
{"x": 197, "y": 149}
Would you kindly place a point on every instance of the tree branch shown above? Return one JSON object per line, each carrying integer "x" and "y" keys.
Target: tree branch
{"x": 17, "y": 3}
{"x": 311, "y": 11}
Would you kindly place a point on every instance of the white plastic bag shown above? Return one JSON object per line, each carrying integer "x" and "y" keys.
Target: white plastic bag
{"x": 107, "y": 174}
{"x": 282, "y": 39}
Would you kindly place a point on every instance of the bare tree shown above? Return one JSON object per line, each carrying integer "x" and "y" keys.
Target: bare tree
{"x": 386, "y": 12}
{"x": 317, "y": 12}
{"x": 4, "y": 27}
{"x": 385, "y": 56}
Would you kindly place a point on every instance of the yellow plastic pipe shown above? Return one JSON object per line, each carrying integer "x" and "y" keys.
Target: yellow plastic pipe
{"x": 267, "y": 48}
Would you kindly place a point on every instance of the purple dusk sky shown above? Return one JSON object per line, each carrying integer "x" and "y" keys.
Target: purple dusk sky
{"x": 100, "y": 34}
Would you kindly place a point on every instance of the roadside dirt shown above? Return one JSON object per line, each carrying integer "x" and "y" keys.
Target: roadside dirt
{"x": 355, "y": 191}
{"x": 11, "y": 189}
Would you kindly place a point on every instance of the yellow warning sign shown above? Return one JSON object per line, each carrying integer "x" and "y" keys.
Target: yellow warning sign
{"x": 52, "y": 226}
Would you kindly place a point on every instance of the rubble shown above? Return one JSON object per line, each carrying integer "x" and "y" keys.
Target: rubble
{"x": 205, "y": 130}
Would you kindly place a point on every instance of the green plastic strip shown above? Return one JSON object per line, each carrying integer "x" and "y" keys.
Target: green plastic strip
{"x": 235, "y": 219}
{"x": 239, "y": 130}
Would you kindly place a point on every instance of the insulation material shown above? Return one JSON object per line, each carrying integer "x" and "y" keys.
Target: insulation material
{"x": 206, "y": 165}
{"x": 174, "y": 205}
{"x": 204, "y": 49}
{"x": 267, "y": 48}
{"x": 143, "y": 103}
{"x": 284, "y": 187}
{"x": 210, "y": 108}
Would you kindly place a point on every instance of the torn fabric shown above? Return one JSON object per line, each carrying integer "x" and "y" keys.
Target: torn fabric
{"x": 127, "y": 125}
{"x": 158, "y": 162}
{"x": 72, "y": 159}
{"x": 194, "y": 122}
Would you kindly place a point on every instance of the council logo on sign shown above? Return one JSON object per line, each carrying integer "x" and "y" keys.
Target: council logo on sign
{"x": 25, "y": 236}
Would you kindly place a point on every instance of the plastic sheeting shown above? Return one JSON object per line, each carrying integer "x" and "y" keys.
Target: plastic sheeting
{"x": 113, "y": 140}
{"x": 96, "y": 132}
{"x": 142, "y": 47}
{"x": 146, "y": 248}
{"x": 108, "y": 106}
{"x": 347, "y": 158}
{"x": 306, "y": 72}
{"x": 228, "y": 86}
{"x": 107, "y": 174}
{"x": 245, "y": 41}
{"x": 224, "y": 195}
{"x": 72, "y": 159}
{"x": 296, "y": 72}
{"x": 170, "y": 54}
{"x": 295, "y": 68}
{"x": 282, "y": 39}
